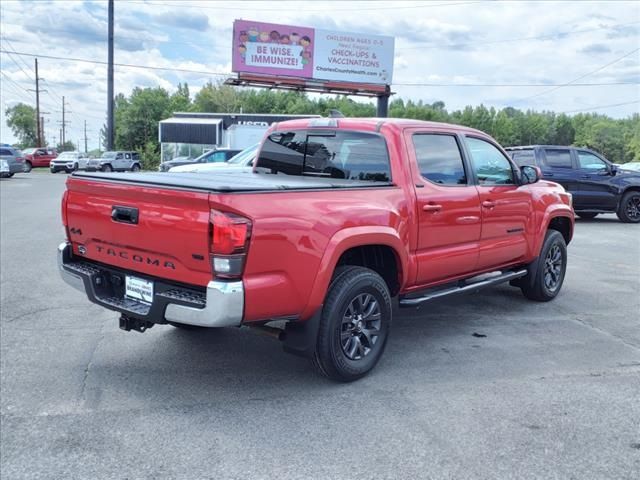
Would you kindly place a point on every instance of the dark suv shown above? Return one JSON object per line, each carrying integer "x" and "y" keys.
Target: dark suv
{"x": 596, "y": 184}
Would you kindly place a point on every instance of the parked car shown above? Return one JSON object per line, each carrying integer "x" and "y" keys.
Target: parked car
{"x": 339, "y": 217}
{"x": 117, "y": 161}
{"x": 242, "y": 161}
{"x": 38, "y": 157}
{"x": 14, "y": 160}
{"x": 632, "y": 166}
{"x": 69, "y": 162}
{"x": 219, "y": 155}
{"x": 596, "y": 184}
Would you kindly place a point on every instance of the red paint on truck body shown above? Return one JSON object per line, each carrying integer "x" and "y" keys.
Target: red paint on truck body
{"x": 297, "y": 237}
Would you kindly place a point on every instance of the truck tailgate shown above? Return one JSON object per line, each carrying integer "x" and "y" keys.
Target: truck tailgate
{"x": 168, "y": 239}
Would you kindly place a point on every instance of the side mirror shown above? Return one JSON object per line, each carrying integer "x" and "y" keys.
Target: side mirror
{"x": 530, "y": 174}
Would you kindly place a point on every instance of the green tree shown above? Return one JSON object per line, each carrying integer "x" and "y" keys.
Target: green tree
{"x": 21, "y": 119}
{"x": 67, "y": 146}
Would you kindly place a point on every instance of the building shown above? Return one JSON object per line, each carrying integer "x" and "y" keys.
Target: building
{"x": 189, "y": 134}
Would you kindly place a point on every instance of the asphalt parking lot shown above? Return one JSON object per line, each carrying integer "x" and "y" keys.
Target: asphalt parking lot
{"x": 488, "y": 385}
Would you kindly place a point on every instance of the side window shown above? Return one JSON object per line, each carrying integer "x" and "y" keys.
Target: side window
{"x": 558, "y": 157}
{"x": 523, "y": 157}
{"x": 4, "y": 151}
{"x": 439, "y": 159}
{"x": 589, "y": 161}
{"x": 490, "y": 165}
{"x": 127, "y": 156}
{"x": 119, "y": 156}
{"x": 136, "y": 156}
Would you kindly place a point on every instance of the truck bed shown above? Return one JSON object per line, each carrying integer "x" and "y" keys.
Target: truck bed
{"x": 228, "y": 182}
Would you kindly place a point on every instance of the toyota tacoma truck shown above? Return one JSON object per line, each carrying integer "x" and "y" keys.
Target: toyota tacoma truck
{"x": 338, "y": 218}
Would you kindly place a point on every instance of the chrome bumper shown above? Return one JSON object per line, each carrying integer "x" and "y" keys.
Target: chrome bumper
{"x": 224, "y": 305}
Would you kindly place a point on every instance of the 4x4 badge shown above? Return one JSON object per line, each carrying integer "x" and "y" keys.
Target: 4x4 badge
{"x": 75, "y": 230}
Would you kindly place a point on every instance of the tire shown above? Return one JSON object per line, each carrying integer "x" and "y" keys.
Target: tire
{"x": 346, "y": 350}
{"x": 586, "y": 215}
{"x": 629, "y": 208}
{"x": 75, "y": 168}
{"x": 106, "y": 168}
{"x": 185, "y": 326}
{"x": 135, "y": 168}
{"x": 552, "y": 267}
{"x": 53, "y": 170}
{"x": 27, "y": 166}
{"x": 10, "y": 175}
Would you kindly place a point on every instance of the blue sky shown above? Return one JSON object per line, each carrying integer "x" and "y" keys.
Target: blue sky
{"x": 440, "y": 42}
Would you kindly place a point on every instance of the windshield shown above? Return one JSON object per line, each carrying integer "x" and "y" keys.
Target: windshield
{"x": 109, "y": 155}
{"x": 29, "y": 151}
{"x": 245, "y": 156}
{"x": 67, "y": 155}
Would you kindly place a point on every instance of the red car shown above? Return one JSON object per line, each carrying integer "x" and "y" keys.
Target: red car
{"x": 38, "y": 157}
{"x": 339, "y": 217}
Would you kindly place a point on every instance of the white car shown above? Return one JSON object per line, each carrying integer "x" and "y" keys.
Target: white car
{"x": 4, "y": 168}
{"x": 633, "y": 166}
{"x": 243, "y": 161}
{"x": 69, "y": 162}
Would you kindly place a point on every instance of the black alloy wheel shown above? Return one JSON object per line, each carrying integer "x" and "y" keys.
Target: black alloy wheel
{"x": 629, "y": 209}
{"x": 360, "y": 326}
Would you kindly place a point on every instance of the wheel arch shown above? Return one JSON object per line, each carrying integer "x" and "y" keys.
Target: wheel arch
{"x": 379, "y": 248}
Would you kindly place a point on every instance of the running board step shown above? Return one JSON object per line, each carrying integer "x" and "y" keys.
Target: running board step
{"x": 467, "y": 286}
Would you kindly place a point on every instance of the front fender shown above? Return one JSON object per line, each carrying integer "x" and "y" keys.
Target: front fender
{"x": 343, "y": 241}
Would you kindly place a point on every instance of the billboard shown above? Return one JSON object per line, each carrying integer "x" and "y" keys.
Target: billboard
{"x": 303, "y": 52}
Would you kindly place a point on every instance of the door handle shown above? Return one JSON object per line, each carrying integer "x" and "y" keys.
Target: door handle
{"x": 488, "y": 204}
{"x": 124, "y": 214}
{"x": 547, "y": 174}
{"x": 432, "y": 207}
{"x": 586, "y": 176}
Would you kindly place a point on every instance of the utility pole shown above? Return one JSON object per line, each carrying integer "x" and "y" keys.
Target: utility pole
{"x": 60, "y": 139}
{"x": 110, "y": 119}
{"x": 64, "y": 122}
{"x": 85, "y": 137}
{"x": 39, "y": 135}
{"x": 42, "y": 137}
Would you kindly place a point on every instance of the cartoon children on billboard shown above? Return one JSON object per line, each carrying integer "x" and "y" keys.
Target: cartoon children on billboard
{"x": 256, "y": 34}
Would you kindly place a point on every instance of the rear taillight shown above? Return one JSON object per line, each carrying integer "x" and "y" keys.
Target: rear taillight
{"x": 230, "y": 236}
{"x": 63, "y": 206}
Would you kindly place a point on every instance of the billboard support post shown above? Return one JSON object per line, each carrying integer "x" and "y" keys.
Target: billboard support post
{"x": 382, "y": 110}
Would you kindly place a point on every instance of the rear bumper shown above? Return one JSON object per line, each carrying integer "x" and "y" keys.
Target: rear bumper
{"x": 219, "y": 304}
{"x": 16, "y": 167}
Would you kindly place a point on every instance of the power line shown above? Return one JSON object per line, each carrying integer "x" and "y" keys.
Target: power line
{"x": 521, "y": 39}
{"x": 127, "y": 65}
{"x": 599, "y": 107}
{"x": 581, "y": 76}
{"x": 204, "y": 72}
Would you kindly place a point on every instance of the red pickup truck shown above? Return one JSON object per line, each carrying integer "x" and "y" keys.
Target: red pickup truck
{"x": 38, "y": 157}
{"x": 338, "y": 217}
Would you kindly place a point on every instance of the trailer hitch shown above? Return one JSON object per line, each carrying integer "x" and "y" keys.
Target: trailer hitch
{"x": 130, "y": 323}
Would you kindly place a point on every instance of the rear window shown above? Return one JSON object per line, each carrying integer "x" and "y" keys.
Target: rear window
{"x": 523, "y": 157}
{"x": 329, "y": 154}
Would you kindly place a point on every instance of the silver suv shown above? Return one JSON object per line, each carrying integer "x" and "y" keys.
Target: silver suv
{"x": 14, "y": 160}
{"x": 116, "y": 161}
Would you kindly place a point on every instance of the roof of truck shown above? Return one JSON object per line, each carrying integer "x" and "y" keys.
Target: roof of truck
{"x": 374, "y": 124}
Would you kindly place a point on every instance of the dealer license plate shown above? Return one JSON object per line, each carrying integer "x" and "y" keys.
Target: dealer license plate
{"x": 139, "y": 289}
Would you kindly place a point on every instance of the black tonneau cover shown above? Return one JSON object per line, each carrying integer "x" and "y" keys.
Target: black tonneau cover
{"x": 229, "y": 181}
